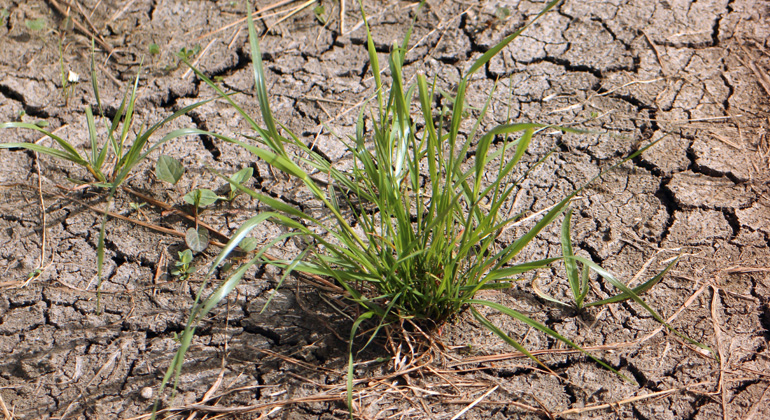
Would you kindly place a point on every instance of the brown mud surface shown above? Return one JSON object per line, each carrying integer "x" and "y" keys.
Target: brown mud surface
{"x": 694, "y": 72}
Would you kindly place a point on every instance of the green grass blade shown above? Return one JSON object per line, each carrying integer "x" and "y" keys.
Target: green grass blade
{"x": 129, "y": 118}
{"x": 498, "y": 332}
{"x": 506, "y": 274}
{"x": 93, "y": 139}
{"x": 454, "y": 125}
{"x": 70, "y": 153}
{"x": 430, "y": 128}
{"x": 638, "y": 290}
{"x": 542, "y": 295}
{"x": 135, "y": 154}
{"x": 573, "y": 277}
{"x": 260, "y": 84}
{"x": 363, "y": 317}
{"x": 115, "y": 123}
{"x": 544, "y": 329}
{"x": 236, "y": 239}
{"x": 94, "y": 78}
{"x": 484, "y": 59}
{"x": 100, "y": 252}
{"x": 97, "y": 156}
{"x": 630, "y": 293}
{"x": 45, "y": 150}
{"x": 286, "y": 273}
{"x": 374, "y": 61}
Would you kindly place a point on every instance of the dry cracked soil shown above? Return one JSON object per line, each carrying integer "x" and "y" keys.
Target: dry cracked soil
{"x": 692, "y": 73}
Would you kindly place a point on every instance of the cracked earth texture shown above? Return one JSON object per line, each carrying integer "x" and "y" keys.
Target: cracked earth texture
{"x": 691, "y": 72}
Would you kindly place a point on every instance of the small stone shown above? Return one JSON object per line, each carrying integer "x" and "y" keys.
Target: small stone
{"x": 146, "y": 393}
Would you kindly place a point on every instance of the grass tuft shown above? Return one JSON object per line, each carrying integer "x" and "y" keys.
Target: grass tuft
{"x": 406, "y": 243}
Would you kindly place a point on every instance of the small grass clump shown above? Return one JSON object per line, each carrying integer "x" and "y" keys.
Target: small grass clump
{"x": 411, "y": 228}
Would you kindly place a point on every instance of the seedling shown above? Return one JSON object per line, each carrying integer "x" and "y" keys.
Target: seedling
{"x": 184, "y": 268}
{"x": 22, "y": 113}
{"x": 320, "y": 14}
{"x": 186, "y": 54}
{"x": 197, "y": 238}
{"x": 201, "y": 198}
{"x": 237, "y": 179}
{"x": 502, "y": 12}
{"x": 137, "y": 207}
{"x": 153, "y": 49}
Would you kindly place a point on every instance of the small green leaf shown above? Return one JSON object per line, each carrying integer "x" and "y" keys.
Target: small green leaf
{"x": 169, "y": 169}
{"x": 207, "y": 198}
{"x": 319, "y": 12}
{"x": 154, "y": 49}
{"x": 185, "y": 257}
{"x": 239, "y": 178}
{"x": 136, "y": 206}
{"x": 502, "y": 12}
{"x": 248, "y": 244}
{"x": 201, "y": 198}
{"x": 35, "y": 25}
{"x": 193, "y": 197}
{"x": 41, "y": 123}
{"x": 188, "y": 53}
{"x": 197, "y": 239}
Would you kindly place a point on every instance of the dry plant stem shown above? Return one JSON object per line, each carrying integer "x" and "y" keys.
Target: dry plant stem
{"x": 628, "y": 400}
{"x": 162, "y": 256}
{"x": 762, "y": 77}
{"x": 86, "y": 17}
{"x": 248, "y": 408}
{"x": 291, "y": 13}
{"x": 518, "y": 405}
{"x": 6, "y": 413}
{"x": 79, "y": 26}
{"x": 135, "y": 221}
{"x": 763, "y": 399}
{"x": 663, "y": 68}
{"x": 257, "y": 15}
{"x": 293, "y": 361}
{"x": 199, "y": 57}
{"x": 474, "y": 403}
{"x": 41, "y": 263}
{"x": 445, "y": 24}
{"x": 104, "y": 70}
{"x": 110, "y": 363}
{"x": 718, "y": 339}
{"x": 169, "y": 208}
{"x": 119, "y": 13}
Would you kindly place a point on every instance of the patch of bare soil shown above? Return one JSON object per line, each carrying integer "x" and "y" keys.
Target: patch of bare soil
{"x": 693, "y": 72}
